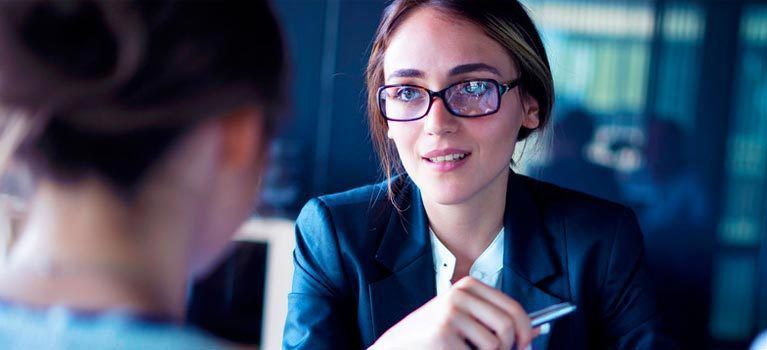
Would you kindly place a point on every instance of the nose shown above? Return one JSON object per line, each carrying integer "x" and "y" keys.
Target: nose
{"x": 439, "y": 121}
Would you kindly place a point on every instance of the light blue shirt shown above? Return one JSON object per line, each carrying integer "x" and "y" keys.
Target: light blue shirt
{"x": 23, "y": 328}
{"x": 761, "y": 342}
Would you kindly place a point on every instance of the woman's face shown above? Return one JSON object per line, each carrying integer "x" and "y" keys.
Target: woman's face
{"x": 433, "y": 50}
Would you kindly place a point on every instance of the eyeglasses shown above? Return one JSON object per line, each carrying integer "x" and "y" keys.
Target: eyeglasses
{"x": 466, "y": 99}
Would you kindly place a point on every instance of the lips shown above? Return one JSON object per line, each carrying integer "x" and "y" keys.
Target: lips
{"x": 446, "y": 159}
{"x": 445, "y": 152}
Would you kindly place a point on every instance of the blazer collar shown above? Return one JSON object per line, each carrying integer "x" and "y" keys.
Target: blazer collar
{"x": 527, "y": 251}
{"x": 530, "y": 262}
{"x": 406, "y": 237}
{"x": 531, "y": 265}
{"x": 406, "y": 251}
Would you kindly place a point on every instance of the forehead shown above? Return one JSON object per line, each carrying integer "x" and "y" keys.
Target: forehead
{"x": 434, "y": 42}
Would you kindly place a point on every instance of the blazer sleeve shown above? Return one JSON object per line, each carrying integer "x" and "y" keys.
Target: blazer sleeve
{"x": 318, "y": 317}
{"x": 628, "y": 303}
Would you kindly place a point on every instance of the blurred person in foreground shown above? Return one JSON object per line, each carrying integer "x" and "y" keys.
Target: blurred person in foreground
{"x": 454, "y": 249}
{"x": 146, "y": 125}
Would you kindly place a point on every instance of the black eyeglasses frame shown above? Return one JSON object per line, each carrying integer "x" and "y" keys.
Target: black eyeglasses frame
{"x": 502, "y": 89}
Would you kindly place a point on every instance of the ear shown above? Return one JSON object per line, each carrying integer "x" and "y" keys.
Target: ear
{"x": 241, "y": 133}
{"x": 530, "y": 105}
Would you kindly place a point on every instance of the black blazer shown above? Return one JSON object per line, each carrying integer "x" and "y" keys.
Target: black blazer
{"x": 361, "y": 266}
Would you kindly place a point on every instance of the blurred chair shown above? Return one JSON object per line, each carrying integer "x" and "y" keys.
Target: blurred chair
{"x": 245, "y": 299}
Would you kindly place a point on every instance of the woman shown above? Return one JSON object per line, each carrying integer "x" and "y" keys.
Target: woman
{"x": 462, "y": 248}
{"x": 146, "y": 125}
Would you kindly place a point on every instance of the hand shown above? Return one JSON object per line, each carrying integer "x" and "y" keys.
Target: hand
{"x": 469, "y": 314}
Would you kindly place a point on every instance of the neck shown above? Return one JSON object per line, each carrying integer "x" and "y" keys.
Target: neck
{"x": 87, "y": 249}
{"x": 467, "y": 228}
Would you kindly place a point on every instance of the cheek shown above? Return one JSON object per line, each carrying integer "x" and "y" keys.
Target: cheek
{"x": 404, "y": 138}
{"x": 500, "y": 137}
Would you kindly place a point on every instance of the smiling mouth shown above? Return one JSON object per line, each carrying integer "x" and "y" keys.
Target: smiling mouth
{"x": 448, "y": 158}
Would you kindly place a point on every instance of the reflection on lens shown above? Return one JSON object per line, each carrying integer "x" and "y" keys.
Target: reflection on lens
{"x": 472, "y": 98}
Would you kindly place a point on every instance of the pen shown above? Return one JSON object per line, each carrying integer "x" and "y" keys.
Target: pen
{"x": 544, "y": 316}
{"x": 550, "y": 313}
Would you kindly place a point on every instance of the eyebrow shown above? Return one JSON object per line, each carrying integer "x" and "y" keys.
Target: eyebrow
{"x": 474, "y": 67}
{"x": 457, "y": 70}
{"x": 406, "y": 73}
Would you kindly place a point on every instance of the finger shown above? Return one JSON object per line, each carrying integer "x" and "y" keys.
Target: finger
{"x": 460, "y": 343}
{"x": 523, "y": 330}
{"x": 492, "y": 295}
{"x": 541, "y": 330}
{"x": 488, "y": 315}
{"x": 476, "y": 335}
{"x": 536, "y": 332}
{"x": 452, "y": 340}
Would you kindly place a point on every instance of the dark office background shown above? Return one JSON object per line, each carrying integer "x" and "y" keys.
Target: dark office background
{"x": 664, "y": 101}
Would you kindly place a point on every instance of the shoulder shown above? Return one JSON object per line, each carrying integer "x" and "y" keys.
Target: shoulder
{"x": 562, "y": 201}
{"x": 337, "y": 238}
{"x": 580, "y": 216}
{"x": 352, "y": 221}
{"x": 352, "y": 207}
{"x": 354, "y": 201}
{"x": 598, "y": 242}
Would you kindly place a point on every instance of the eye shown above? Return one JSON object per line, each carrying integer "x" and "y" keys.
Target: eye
{"x": 407, "y": 94}
{"x": 475, "y": 88}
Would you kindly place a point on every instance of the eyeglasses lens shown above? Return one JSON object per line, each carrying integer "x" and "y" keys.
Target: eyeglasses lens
{"x": 404, "y": 102}
{"x": 472, "y": 98}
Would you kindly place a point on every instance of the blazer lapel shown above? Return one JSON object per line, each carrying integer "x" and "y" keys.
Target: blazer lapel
{"x": 531, "y": 274}
{"x": 405, "y": 251}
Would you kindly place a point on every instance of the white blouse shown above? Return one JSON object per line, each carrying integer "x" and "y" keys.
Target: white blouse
{"x": 487, "y": 268}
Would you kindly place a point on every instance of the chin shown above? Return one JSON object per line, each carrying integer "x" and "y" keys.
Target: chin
{"x": 449, "y": 200}
{"x": 446, "y": 194}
